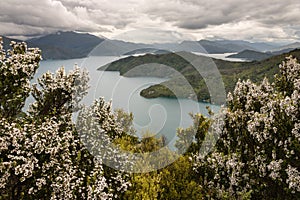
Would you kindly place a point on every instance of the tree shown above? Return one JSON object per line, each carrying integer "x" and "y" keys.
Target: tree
{"x": 17, "y": 68}
{"x": 42, "y": 156}
{"x": 190, "y": 140}
{"x": 257, "y": 155}
{"x": 175, "y": 181}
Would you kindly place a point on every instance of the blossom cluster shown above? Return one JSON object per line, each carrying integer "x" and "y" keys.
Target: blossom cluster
{"x": 41, "y": 153}
{"x": 258, "y": 151}
{"x": 59, "y": 93}
{"x": 17, "y": 68}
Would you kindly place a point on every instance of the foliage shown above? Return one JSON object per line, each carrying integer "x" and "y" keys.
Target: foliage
{"x": 257, "y": 155}
{"x": 60, "y": 93}
{"x": 231, "y": 72}
{"x": 190, "y": 140}
{"x": 17, "y": 68}
{"x": 42, "y": 156}
{"x": 176, "y": 181}
{"x": 45, "y": 155}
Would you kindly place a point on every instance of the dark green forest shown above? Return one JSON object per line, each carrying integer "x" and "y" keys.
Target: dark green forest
{"x": 231, "y": 72}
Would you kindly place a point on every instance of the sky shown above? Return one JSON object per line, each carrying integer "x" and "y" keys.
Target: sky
{"x": 155, "y": 20}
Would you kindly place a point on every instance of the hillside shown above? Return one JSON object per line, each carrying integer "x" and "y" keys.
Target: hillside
{"x": 65, "y": 45}
{"x": 230, "y": 71}
{"x": 118, "y": 47}
{"x": 232, "y": 46}
{"x": 295, "y": 45}
{"x": 147, "y": 51}
{"x": 251, "y": 55}
{"x": 7, "y": 41}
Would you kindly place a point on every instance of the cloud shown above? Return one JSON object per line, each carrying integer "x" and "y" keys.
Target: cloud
{"x": 152, "y": 35}
{"x": 40, "y": 16}
{"x": 215, "y": 18}
{"x": 246, "y": 30}
{"x": 194, "y": 14}
{"x": 230, "y": 19}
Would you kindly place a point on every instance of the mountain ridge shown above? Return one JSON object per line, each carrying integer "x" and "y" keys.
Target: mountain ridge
{"x": 65, "y": 45}
{"x": 70, "y": 44}
{"x": 251, "y": 55}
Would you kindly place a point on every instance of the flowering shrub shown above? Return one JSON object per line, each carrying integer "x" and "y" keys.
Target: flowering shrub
{"x": 257, "y": 155}
{"x": 60, "y": 93}
{"x": 17, "y": 68}
{"x": 41, "y": 155}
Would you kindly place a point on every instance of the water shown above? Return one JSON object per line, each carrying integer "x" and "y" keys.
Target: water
{"x": 160, "y": 115}
{"x": 222, "y": 56}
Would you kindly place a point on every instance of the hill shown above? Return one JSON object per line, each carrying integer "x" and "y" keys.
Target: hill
{"x": 251, "y": 55}
{"x": 68, "y": 45}
{"x": 232, "y": 46}
{"x": 65, "y": 45}
{"x": 7, "y": 41}
{"x": 147, "y": 51}
{"x": 230, "y": 71}
{"x": 118, "y": 47}
{"x": 295, "y": 45}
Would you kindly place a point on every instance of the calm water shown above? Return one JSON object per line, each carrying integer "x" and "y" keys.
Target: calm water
{"x": 161, "y": 115}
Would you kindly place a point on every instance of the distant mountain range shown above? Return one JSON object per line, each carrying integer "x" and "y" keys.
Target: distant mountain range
{"x": 232, "y": 46}
{"x": 295, "y": 45}
{"x": 6, "y": 42}
{"x": 251, "y": 55}
{"x": 68, "y": 45}
{"x": 65, "y": 45}
{"x": 147, "y": 51}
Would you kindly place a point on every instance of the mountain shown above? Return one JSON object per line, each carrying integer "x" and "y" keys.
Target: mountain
{"x": 68, "y": 45}
{"x": 230, "y": 71}
{"x": 233, "y": 46}
{"x": 262, "y": 47}
{"x": 141, "y": 51}
{"x": 281, "y": 51}
{"x": 65, "y": 45}
{"x": 117, "y": 48}
{"x": 147, "y": 51}
{"x": 7, "y": 41}
{"x": 188, "y": 46}
{"x": 295, "y": 45}
{"x": 251, "y": 55}
{"x": 215, "y": 48}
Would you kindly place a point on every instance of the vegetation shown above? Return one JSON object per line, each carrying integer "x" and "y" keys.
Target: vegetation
{"x": 231, "y": 72}
{"x": 257, "y": 155}
{"x": 44, "y": 155}
{"x": 41, "y": 155}
{"x": 251, "y": 55}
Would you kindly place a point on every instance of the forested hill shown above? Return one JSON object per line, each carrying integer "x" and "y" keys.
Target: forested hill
{"x": 230, "y": 71}
{"x": 251, "y": 55}
{"x": 65, "y": 45}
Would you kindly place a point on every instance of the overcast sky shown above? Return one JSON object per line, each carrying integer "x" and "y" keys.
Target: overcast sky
{"x": 155, "y": 20}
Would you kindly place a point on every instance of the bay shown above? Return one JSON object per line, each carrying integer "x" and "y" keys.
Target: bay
{"x": 161, "y": 116}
